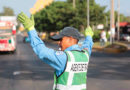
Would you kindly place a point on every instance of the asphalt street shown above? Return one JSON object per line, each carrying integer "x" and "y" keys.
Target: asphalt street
{"x": 24, "y": 71}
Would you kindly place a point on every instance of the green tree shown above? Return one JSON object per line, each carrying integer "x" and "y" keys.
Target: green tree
{"x": 97, "y": 12}
{"x": 7, "y": 12}
{"x": 128, "y": 18}
{"x": 61, "y": 14}
{"x": 56, "y": 16}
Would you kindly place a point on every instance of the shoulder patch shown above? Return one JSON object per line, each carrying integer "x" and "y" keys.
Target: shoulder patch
{"x": 59, "y": 52}
{"x": 86, "y": 49}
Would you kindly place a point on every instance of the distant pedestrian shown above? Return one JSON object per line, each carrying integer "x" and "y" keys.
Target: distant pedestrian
{"x": 103, "y": 38}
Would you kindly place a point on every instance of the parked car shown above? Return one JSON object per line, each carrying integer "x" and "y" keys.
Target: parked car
{"x": 26, "y": 39}
{"x": 125, "y": 37}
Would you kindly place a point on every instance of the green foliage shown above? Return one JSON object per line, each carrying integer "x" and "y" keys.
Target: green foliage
{"x": 123, "y": 18}
{"x": 127, "y": 19}
{"x": 107, "y": 35}
{"x": 7, "y": 12}
{"x": 96, "y": 36}
{"x": 56, "y": 16}
{"x": 97, "y": 14}
{"x": 61, "y": 14}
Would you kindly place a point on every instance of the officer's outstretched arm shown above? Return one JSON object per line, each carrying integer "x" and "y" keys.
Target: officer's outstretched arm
{"x": 47, "y": 55}
{"x": 88, "y": 42}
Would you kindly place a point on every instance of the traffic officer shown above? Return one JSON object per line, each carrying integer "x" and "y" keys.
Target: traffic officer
{"x": 71, "y": 63}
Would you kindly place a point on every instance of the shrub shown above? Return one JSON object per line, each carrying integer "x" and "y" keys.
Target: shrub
{"x": 96, "y": 36}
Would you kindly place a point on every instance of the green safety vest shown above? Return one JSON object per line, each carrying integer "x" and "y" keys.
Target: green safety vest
{"x": 74, "y": 76}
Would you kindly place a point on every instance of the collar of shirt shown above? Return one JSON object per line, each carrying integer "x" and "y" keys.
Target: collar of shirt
{"x": 73, "y": 47}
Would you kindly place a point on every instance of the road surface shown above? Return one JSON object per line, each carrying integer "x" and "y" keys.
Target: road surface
{"x": 24, "y": 71}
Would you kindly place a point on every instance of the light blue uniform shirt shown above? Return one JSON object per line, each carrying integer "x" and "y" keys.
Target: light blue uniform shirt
{"x": 56, "y": 59}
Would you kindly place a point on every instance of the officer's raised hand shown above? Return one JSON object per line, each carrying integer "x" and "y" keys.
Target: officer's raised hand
{"x": 89, "y": 31}
{"x": 27, "y": 22}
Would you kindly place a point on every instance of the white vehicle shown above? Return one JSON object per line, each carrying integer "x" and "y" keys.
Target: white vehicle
{"x": 7, "y": 36}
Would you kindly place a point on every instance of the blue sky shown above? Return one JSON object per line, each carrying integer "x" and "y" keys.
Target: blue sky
{"x": 25, "y": 5}
{"x": 124, "y": 5}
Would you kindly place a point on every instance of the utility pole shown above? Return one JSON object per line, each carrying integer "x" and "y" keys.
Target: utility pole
{"x": 112, "y": 23}
{"x": 74, "y": 4}
{"x": 118, "y": 29}
{"x": 87, "y": 13}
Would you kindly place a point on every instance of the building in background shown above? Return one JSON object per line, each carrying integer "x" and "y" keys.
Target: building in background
{"x": 12, "y": 19}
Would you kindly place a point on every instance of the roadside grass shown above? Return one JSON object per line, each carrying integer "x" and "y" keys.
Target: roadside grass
{"x": 116, "y": 45}
{"x": 97, "y": 44}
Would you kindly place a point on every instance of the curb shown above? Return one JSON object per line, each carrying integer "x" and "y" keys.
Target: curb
{"x": 113, "y": 50}
{"x": 109, "y": 50}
